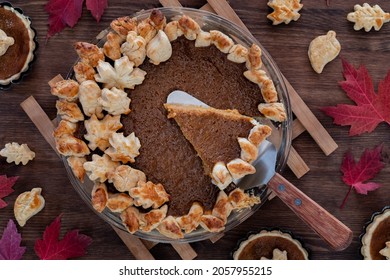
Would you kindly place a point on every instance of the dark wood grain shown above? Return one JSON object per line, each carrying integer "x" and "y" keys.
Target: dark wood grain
{"x": 288, "y": 45}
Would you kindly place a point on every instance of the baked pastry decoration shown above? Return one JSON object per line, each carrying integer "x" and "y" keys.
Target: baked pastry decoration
{"x": 386, "y": 251}
{"x": 322, "y": 50}
{"x": 141, "y": 164}
{"x": 376, "y": 236}
{"x": 284, "y": 11}
{"x": 17, "y": 153}
{"x": 277, "y": 255}
{"x": 273, "y": 244}
{"x": 28, "y": 204}
{"x": 368, "y": 17}
{"x": 17, "y": 44}
{"x": 222, "y": 132}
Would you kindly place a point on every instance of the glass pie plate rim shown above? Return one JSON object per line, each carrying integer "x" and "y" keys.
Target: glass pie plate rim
{"x": 207, "y": 21}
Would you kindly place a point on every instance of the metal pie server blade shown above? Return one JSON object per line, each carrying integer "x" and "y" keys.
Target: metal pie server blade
{"x": 329, "y": 228}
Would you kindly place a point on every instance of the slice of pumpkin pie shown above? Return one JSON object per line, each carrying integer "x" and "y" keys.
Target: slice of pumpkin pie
{"x": 226, "y": 141}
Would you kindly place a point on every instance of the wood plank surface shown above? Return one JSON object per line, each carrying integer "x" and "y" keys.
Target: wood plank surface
{"x": 288, "y": 46}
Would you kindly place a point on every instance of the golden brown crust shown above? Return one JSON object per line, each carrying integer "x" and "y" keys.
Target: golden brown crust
{"x": 284, "y": 11}
{"x": 118, "y": 202}
{"x": 189, "y": 27}
{"x": 66, "y": 143}
{"x": 76, "y": 164}
{"x": 69, "y": 111}
{"x": 149, "y": 195}
{"x": 89, "y": 53}
{"x": 170, "y": 228}
{"x": 254, "y": 58}
{"x": 223, "y": 42}
{"x": 99, "y": 168}
{"x": 130, "y": 219}
{"x": 125, "y": 178}
{"x": 112, "y": 47}
{"x": 239, "y": 199}
{"x": 66, "y": 89}
{"x": 212, "y": 223}
{"x": 84, "y": 72}
{"x": 28, "y": 204}
{"x": 99, "y": 197}
{"x": 258, "y": 134}
{"x": 239, "y": 168}
{"x": 222, "y": 207}
{"x": 123, "y": 25}
{"x": 153, "y": 218}
{"x": 273, "y": 111}
{"x": 266, "y": 85}
{"x": 191, "y": 221}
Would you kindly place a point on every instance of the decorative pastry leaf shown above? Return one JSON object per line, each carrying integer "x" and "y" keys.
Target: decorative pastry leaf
{"x": 97, "y": 8}
{"x": 284, "y": 11}
{"x": 72, "y": 245}
{"x": 6, "y": 185}
{"x": 10, "y": 248}
{"x": 17, "y": 153}
{"x": 357, "y": 174}
{"x": 370, "y": 109}
{"x": 368, "y": 17}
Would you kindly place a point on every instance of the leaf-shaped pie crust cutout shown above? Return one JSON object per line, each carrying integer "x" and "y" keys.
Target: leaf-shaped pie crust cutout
{"x": 191, "y": 221}
{"x": 149, "y": 195}
{"x": 239, "y": 199}
{"x": 368, "y": 17}
{"x": 125, "y": 178}
{"x": 115, "y": 101}
{"x": 17, "y": 153}
{"x": 28, "y": 204}
{"x": 122, "y": 75}
{"x": 122, "y": 148}
{"x": 99, "y": 131}
{"x": 322, "y": 50}
{"x": 284, "y": 11}
{"x": 99, "y": 168}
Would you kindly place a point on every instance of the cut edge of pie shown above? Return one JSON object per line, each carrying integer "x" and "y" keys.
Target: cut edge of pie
{"x": 223, "y": 122}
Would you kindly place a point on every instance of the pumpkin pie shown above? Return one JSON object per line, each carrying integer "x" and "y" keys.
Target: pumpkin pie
{"x": 17, "y": 44}
{"x": 271, "y": 245}
{"x": 376, "y": 237}
{"x": 127, "y": 143}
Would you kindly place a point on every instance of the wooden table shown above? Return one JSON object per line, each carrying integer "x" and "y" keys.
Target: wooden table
{"x": 288, "y": 45}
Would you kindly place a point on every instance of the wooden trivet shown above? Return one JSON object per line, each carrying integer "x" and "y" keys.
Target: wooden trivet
{"x": 306, "y": 121}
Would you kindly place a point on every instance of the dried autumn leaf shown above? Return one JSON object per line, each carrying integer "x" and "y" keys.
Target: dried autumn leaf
{"x": 6, "y": 185}
{"x": 63, "y": 13}
{"x": 357, "y": 174}
{"x": 10, "y": 248}
{"x": 50, "y": 247}
{"x": 370, "y": 110}
{"x": 97, "y": 8}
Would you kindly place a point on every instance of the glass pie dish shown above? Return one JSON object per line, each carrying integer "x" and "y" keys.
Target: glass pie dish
{"x": 281, "y": 135}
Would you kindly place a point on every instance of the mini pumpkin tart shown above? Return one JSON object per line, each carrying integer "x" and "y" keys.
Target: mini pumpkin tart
{"x": 274, "y": 244}
{"x": 146, "y": 167}
{"x": 17, "y": 44}
{"x": 376, "y": 236}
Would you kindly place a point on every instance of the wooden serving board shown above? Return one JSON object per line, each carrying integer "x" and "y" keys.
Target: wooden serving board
{"x": 305, "y": 121}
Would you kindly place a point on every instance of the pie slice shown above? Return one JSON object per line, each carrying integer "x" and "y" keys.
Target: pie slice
{"x": 226, "y": 141}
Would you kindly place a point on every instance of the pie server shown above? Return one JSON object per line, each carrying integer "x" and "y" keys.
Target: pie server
{"x": 329, "y": 228}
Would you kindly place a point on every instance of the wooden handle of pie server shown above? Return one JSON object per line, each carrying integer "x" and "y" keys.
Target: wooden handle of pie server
{"x": 328, "y": 227}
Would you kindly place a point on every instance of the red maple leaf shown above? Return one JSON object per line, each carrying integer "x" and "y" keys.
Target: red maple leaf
{"x": 97, "y": 8}
{"x": 64, "y": 13}
{"x": 6, "y": 185}
{"x": 370, "y": 109}
{"x": 355, "y": 174}
{"x": 10, "y": 248}
{"x": 72, "y": 245}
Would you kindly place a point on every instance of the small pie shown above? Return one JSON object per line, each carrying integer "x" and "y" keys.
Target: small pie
{"x": 376, "y": 236}
{"x": 274, "y": 244}
{"x": 17, "y": 44}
